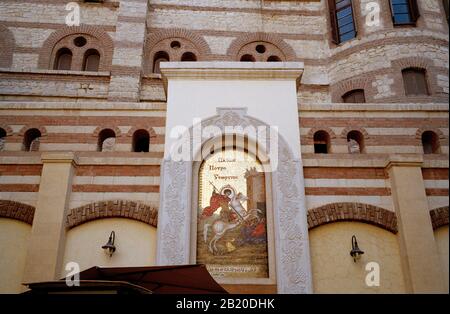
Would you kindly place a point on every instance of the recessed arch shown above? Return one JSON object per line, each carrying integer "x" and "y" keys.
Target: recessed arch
{"x": 287, "y": 53}
{"x": 430, "y": 143}
{"x": 7, "y": 128}
{"x": 91, "y": 60}
{"x": 322, "y": 142}
{"x": 104, "y": 135}
{"x": 141, "y": 141}
{"x": 103, "y": 43}
{"x": 349, "y": 129}
{"x": 365, "y": 213}
{"x": 31, "y": 140}
{"x": 63, "y": 59}
{"x": 160, "y": 56}
{"x": 189, "y": 56}
{"x": 312, "y": 131}
{"x": 356, "y": 138}
{"x": 174, "y": 43}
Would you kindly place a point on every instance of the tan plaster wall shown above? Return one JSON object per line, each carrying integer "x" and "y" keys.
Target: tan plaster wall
{"x": 333, "y": 268}
{"x": 441, "y": 237}
{"x": 135, "y": 243}
{"x": 14, "y": 237}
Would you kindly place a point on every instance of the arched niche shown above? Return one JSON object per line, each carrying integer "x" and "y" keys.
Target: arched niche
{"x": 291, "y": 245}
{"x": 240, "y": 170}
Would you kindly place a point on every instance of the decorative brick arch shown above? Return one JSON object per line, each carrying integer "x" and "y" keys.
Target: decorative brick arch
{"x": 41, "y": 129}
{"x": 7, "y": 128}
{"x": 112, "y": 209}
{"x": 413, "y": 62}
{"x": 365, "y": 213}
{"x": 241, "y": 41}
{"x": 341, "y": 88}
{"x": 347, "y": 130}
{"x": 116, "y": 130}
{"x": 160, "y": 41}
{"x": 198, "y": 41}
{"x": 313, "y": 131}
{"x": 149, "y": 129}
{"x": 418, "y": 63}
{"x": 17, "y": 211}
{"x": 7, "y": 42}
{"x": 439, "y": 217}
{"x": 105, "y": 47}
{"x": 438, "y": 132}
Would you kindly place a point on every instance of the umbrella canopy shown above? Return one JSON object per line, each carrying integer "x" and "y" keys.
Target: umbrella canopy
{"x": 188, "y": 279}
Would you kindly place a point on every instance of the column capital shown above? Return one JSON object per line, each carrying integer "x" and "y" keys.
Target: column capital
{"x": 59, "y": 157}
{"x": 410, "y": 160}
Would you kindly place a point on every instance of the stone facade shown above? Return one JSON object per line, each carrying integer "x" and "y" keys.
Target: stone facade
{"x": 70, "y": 108}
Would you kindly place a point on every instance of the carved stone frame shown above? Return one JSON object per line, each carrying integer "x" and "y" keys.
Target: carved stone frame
{"x": 293, "y": 268}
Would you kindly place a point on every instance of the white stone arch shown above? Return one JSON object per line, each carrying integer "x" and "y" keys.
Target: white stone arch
{"x": 293, "y": 269}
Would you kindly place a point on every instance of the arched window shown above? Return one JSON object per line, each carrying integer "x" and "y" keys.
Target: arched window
{"x": 160, "y": 56}
{"x": 415, "y": 81}
{"x": 63, "y": 60}
{"x": 188, "y": 56}
{"x": 247, "y": 58}
{"x": 430, "y": 143}
{"x": 355, "y": 97}
{"x": 106, "y": 140}
{"x": 141, "y": 141}
{"x": 91, "y": 60}
{"x": 31, "y": 140}
{"x": 321, "y": 142}
{"x": 355, "y": 140}
{"x": 2, "y": 139}
{"x": 274, "y": 59}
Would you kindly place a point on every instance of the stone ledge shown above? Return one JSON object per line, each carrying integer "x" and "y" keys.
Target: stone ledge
{"x": 55, "y": 72}
{"x": 33, "y": 105}
{"x": 332, "y": 107}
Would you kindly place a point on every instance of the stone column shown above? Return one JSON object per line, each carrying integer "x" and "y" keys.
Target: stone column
{"x": 128, "y": 51}
{"x": 46, "y": 245}
{"x": 421, "y": 265}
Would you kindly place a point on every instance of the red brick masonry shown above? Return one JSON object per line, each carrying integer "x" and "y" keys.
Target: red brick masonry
{"x": 16, "y": 210}
{"x": 112, "y": 209}
{"x": 353, "y": 212}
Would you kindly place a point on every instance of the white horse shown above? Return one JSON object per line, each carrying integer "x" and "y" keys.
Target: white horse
{"x": 220, "y": 227}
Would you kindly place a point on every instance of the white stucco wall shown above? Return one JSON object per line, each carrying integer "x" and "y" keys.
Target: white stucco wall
{"x": 269, "y": 97}
{"x": 14, "y": 236}
{"x": 135, "y": 243}
{"x": 334, "y": 270}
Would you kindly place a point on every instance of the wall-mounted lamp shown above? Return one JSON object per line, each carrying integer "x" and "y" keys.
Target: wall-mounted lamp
{"x": 109, "y": 247}
{"x": 355, "y": 252}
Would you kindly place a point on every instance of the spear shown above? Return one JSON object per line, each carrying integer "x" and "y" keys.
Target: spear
{"x": 215, "y": 189}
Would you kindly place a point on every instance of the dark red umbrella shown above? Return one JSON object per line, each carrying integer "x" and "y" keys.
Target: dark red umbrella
{"x": 188, "y": 279}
